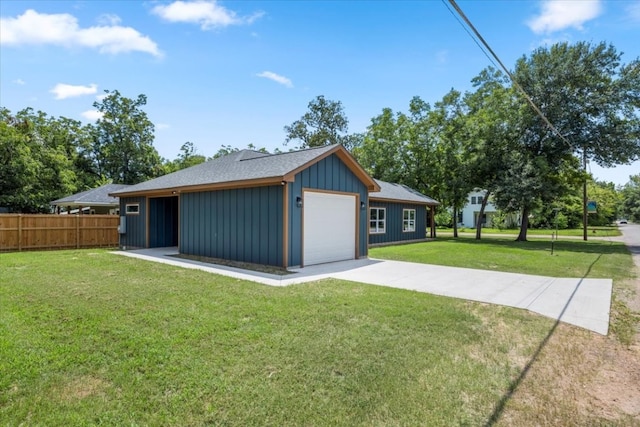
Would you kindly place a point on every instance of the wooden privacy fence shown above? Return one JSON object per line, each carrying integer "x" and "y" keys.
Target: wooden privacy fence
{"x": 19, "y": 232}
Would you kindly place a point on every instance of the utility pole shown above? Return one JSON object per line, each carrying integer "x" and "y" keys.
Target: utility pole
{"x": 585, "y": 214}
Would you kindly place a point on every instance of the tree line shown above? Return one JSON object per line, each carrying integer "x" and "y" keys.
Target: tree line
{"x": 488, "y": 138}
{"x": 491, "y": 138}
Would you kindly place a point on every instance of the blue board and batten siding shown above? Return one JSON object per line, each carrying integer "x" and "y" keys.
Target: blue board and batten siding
{"x": 135, "y": 235}
{"x": 239, "y": 224}
{"x": 329, "y": 174}
{"x": 394, "y": 221}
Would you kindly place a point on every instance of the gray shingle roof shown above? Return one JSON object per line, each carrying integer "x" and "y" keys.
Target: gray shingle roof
{"x": 94, "y": 197}
{"x": 238, "y": 166}
{"x": 390, "y": 191}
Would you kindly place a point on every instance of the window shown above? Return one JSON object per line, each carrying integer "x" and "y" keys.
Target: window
{"x": 479, "y": 200}
{"x": 460, "y": 217}
{"x": 408, "y": 220}
{"x": 473, "y": 200}
{"x": 377, "y": 220}
{"x": 133, "y": 209}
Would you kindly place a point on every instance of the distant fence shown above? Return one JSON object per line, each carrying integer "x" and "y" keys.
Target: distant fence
{"x": 20, "y": 232}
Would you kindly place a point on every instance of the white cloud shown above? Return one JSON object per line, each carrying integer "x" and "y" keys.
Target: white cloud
{"x": 63, "y": 30}
{"x": 557, "y": 15}
{"x": 276, "y": 78}
{"x": 92, "y": 115}
{"x": 20, "y": 82}
{"x": 162, "y": 126}
{"x": 62, "y": 90}
{"x": 101, "y": 97}
{"x": 109, "y": 19}
{"x": 208, "y": 14}
{"x": 442, "y": 56}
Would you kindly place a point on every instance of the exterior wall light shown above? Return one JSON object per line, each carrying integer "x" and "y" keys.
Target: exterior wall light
{"x": 363, "y": 205}
{"x": 299, "y": 201}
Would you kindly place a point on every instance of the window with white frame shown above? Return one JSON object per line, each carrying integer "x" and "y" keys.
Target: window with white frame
{"x": 473, "y": 200}
{"x": 408, "y": 220}
{"x": 479, "y": 200}
{"x": 133, "y": 209}
{"x": 377, "y": 220}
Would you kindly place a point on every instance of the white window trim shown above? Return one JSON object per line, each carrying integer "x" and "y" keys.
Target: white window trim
{"x": 137, "y": 212}
{"x": 377, "y": 221}
{"x": 408, "y": 224}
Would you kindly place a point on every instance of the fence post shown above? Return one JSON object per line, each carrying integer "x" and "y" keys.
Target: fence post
{"x": 78, "y": 231}
{"x": 19, "y": 232}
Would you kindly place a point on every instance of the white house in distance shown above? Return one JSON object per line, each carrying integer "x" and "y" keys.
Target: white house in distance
{"x": 468, "y": 216}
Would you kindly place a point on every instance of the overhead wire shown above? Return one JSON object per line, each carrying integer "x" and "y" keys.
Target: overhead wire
{"x": 506, "y": 70}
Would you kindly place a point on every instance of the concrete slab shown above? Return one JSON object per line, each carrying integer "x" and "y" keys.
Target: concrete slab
{"x": 581, "y": 302}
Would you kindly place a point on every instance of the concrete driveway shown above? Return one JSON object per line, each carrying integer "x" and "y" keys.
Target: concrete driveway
{"x": 580, "y": 302}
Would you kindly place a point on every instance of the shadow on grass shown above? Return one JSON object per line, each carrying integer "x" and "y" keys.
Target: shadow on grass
{"x": 592, "y": 247}
{"x": 499, "y": 409}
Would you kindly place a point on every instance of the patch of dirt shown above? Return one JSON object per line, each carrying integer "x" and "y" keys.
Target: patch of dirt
{"x": 83, "y": 387}
{"x": 580, "y": 378}
{"x": 616, "y": 387}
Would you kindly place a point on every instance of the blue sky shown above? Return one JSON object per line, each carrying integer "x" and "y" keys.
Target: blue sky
{"x": 236, "y": 72}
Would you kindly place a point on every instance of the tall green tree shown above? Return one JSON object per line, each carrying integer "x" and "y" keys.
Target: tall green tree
{"x": 382, "y": 148}
{"x": 123, "y": 140}
{"x": 449, "y": 121}
{"x": 325, "y": 123}
{"x": 592, "y": 100}
{"x": 492, "y": 132}
{"x": 630, "y": 206}
{"x": 40, "y": 159}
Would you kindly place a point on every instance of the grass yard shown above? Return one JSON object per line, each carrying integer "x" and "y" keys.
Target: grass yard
{"x": 92, "y": 338}
{"x": 599, "y": 231}
{"x": 571, "y": 258}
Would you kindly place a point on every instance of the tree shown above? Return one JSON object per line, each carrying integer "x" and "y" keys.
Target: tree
{"x": 491, "y": 132}
{"x": 123, "y": 140}
{"x": 40, "y": 160}
{"x": 324, "y": 124}
{"x": 380, "y": 152}
{"x": 630, "y": 206}
{"x": 448, "y": 120}
{"x": 589, "y": 97}
{"x": 188, "y": 157}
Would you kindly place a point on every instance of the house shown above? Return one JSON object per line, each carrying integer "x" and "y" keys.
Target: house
{"x": 289, "y": 209}
{"x": 94, "y": 201}
{"x": 468, "y": 215}
{"x": 398, "y": 213}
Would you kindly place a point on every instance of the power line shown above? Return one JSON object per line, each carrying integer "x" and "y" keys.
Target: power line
{"x": 506, "y": 70}
{"x": 470, "y": 35}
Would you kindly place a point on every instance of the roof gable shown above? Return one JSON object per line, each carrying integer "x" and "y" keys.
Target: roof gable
{"x": 246, "y": 168}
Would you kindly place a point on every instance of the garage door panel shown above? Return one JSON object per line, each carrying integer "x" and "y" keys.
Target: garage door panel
{"x": 329, "y": 227}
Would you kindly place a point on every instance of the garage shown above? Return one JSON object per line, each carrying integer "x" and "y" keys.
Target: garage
{"x": 329, "y": 227}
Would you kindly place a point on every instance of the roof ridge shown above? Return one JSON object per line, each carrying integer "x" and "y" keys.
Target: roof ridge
{"x": 289, "y": 152}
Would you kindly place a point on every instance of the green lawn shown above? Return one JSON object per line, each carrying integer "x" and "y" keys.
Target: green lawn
{"x": 535, "y": 232}
{"x": 571, "y": 258}
{"x": 92, "y": 338}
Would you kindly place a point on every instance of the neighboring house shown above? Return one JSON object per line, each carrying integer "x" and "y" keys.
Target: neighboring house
{"x": 94, "y": 201}
{"x": 468, "y": 216}
{"x": 399, "y": 213}
{"x": 289, "y": 209}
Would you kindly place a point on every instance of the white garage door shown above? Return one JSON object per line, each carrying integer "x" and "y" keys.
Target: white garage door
{"x": 329, "y": 227}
